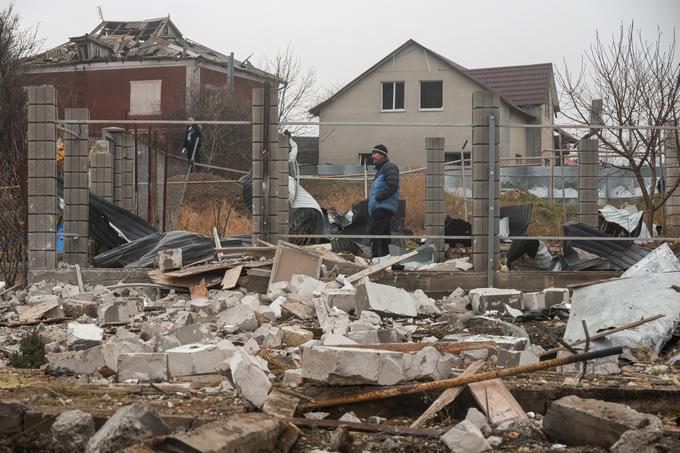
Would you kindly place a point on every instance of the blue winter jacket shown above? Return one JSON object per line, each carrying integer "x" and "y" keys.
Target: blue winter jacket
{"x": 385, "y": 189}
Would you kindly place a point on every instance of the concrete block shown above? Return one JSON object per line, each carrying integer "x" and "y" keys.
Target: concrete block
{"x": 344, "y": 299}
{"x": 115, "y": 346}
{"x": 82, "y": 336}
{"x": 577, "y": 421}
{"x": 239, "y": 318}
{"x": 192, "y": 333}
{"x": 533, "y": 301}
{"x": 555, "y": 296}
{"x": 295, "y": 336}
{"x": 268, "y": 336}
{"x": 385, "y": 299}
{"x": 484, "y": 299}
{"x": 86, "y": 362}
{"x": 143, "y": 366}
{"x": 71, "y": 431}
{"x": 465, "y": 437}
{"x": 129, "y": 425}
{"x": 195, "y": 358}
{"x": 250, "y": 381}
{"x": 113, "y": 312}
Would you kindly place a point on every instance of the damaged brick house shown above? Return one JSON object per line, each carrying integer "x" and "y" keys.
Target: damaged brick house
{"x": 142, "y": 70}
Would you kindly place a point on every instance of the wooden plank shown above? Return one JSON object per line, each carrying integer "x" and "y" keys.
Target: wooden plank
{"x": 184, "y": 282}
{"x": 201, "y": 269}
{"x": 79, "y": 276}
{"x": 496, "y": 401}
{"x": 380, "y": 266}
{"x": 291, "y": 259}
{"x": 267, "y": 252}
{"x": 218, "y": 244}
{"x": 447, "y": 397}
{"x": 299, "y": 309}
{"x": 231, "y": 277}
{"x": 280, "y": 404}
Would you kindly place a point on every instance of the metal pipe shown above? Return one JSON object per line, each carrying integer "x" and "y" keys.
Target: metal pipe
{"x": 458, "y": 381}
{"x": 136, "y": 192}
{"x": 491, "y": 219}
{"x": 425, "y": 236}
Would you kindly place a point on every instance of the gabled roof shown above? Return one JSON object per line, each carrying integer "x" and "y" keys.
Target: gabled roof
{"x": 158, "y": 39}
{"x": 524, "y": 85}
{"x": 463, "y": 70}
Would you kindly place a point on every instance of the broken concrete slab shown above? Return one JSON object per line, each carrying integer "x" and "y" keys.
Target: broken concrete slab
{"x": 385, "y": 300}
{"x": 40, "y": 299}
{"x": 617, "y": 302}
{"x": 127, "y": 426}
{"x": 465, "y": 438}
{"x": 375, "y": 336}
{"x": 192, "y": 333}
{"x": 75, "y": 308}
{"x": 342, "y": 298}
{"x": 82, "y": 336}
{"x": 85, "y": 362}
{"x": 303, "y": 287}
{"x": 555, "y": 296}
{"x": 143, "y": 366}
{"x": 268, "y": 336}
{"x": 578, "y": 421}
{"x": 639, "y": 440}
{"x": 115, "y": 346}
{"x": 195, "y": 358}
{"x": 71, "y": 431}
{"x": 292, "y": 378}
{"x": 34, "y": 312}
{"x": 295, "y": 336}
{"x": 425, "y": 304}
{"x": 113, "y": 312}
{"x": 239, "y": 318}
{"x": 251, "y": 383}
{"x": 169, "y": 260}
{"x": 486, "y": 299}
{"x": 661, "y": 259}
{"x": 533, "y": 301}
{"x": 478, "y": 419}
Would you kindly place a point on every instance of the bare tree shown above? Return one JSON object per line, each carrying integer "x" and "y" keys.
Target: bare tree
{"x": 297, "y": 87}
{"x": 15, "y": 45}
{"x": 639, "y": 85}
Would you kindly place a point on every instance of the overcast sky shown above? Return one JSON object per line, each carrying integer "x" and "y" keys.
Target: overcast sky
{"x": 342, "y": 39}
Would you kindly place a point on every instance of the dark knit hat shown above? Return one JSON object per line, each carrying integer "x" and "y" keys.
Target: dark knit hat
{"x": 382, "y": 149}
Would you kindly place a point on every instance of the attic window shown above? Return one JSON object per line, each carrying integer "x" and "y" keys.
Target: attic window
{"x": 145, "y": 97}
{"x": 392, "y": 96}
{"x": 431, "y": 95}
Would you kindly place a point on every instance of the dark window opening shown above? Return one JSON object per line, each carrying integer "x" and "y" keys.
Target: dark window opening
{"x": 431, "y": 95}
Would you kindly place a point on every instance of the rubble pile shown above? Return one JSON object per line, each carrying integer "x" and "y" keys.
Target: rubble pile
{"x": 294, "y": 348}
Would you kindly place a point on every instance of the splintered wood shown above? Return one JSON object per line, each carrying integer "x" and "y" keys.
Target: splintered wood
{"x": 291, "y": 259}
{"x": 496, "y": 401}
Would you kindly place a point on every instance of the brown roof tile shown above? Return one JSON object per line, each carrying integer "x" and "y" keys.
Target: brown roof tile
{"x": 523, "y": 85}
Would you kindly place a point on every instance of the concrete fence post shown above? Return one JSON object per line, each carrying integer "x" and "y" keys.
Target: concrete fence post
{"x": 485, "y": 104}
{"x": 588, "y": 160}
{"x": 282, "y": 207}
{"x": 42, "y": 177}
{"x": 672, "y": 170}
{"x": 118, "y": 165}
{"x": 275, "y": 182}
{"x": 258, "y": 173}
{"x": 76, "y": 188}
{"x": 101, "y": 171}
{"x": 128, "y": 171}
{"x": 434, "y": 193}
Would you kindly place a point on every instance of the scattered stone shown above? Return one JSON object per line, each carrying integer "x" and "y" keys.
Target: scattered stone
{"x": 578, "y": 421}
{"x": 43, "y": 299}
{"x": 639, "y": 440}
{"x": 341, "y": 440}
{"x": 192, "y": 333}
{"x": 384, "y": 299}
{"x": 303, "y": 287}
{"x": 375, "y": 420}
{"x": 268, "y": 336}
{"x": 533, "y": 301}
{"x": 295, "y": 336}
{"x": 196, "y": 358}
{"x": 143, "y": 366}
{"x": 113, "y": 312}
{"x": 485, "y": 299}
{"x": 292, "y": 378}
{"x": 116, "y": 346}
{"x": 239, "y": 318}
{"x": 126, "y": 427}
{"x": 341, "y": 298}
{"x": 425, "y": 305}
{"x": 465, "y": 438}
{"x": 350, "y": 417}
{"x": 29, "y": 313}
{"x": 83, "y": 336}
{"x": 169, "y": 260}
{"x": 477, "y": 418}
{"x": 316, "y": 415}
{"x": 71, "y": 431}
{"x": 250, "y": 381}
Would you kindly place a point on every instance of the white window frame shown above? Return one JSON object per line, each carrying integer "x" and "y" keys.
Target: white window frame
{"x": 135, "y": 107}
{"x": 434, "y": 109}
{"x": 394, "y": 96}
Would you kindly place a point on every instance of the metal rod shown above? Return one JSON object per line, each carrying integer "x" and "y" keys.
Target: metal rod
{"x": 458, "y": 381}
{"x": 491, "y": 219}
{"x": 518, "y": 238}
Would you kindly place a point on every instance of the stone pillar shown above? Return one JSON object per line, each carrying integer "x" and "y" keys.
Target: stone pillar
{"x": 101, "y": 171}
{"x": 672, "y": 173}
{"x": 484, "y": 103}
{"x": 76, "y": 189}
{"x": 128, "y": 172}
{"x": 42, "y": 177}
{"x": 434, "y": 193}
{"x": 267, "y": 164}
{"x": 283, "y": 170}
{"x": 588, "y": 160}
{"x": 257, "y": 148}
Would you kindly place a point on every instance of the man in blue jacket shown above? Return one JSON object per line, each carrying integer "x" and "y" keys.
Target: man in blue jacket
{"x": 384, "y": 199}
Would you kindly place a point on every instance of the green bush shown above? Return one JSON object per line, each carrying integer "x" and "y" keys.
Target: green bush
{"x": 31, "y": 352}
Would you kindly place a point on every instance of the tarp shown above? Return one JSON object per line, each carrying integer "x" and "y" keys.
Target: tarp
{"x": 620, "y": 254}
{"x": 110, "y": 225}
{"x": 144, "y": 251}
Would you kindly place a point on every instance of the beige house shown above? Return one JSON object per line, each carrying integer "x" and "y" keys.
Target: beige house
{"x": 416, "y": 85}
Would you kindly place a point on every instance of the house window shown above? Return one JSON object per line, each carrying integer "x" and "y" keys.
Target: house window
{"x": 145, "y": 97}
{"x": 392, "y": 96}
{"x": 365, "y": 159}
{"x": 432, "y": 95}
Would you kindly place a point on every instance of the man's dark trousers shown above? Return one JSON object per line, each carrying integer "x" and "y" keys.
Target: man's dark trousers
{"x": 380, "y": 225}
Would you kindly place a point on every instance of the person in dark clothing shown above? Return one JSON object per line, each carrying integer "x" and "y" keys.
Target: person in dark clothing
{"x": 384, "y": 199}
{"x": 192, "y": 141}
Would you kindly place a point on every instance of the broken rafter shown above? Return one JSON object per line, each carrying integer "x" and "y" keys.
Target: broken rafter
{"x": 458, "y": 381}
